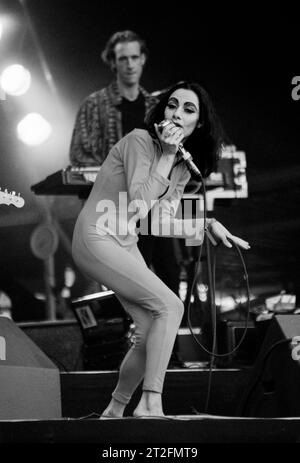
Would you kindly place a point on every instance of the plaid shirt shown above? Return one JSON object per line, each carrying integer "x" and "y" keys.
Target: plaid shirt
{"x": 98, "y": 125}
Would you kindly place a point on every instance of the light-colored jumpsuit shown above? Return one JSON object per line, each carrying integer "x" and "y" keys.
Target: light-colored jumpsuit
{"x": 105, "y": 250}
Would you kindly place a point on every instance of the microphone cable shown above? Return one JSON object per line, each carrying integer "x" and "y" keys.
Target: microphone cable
{"x": 242, "y": 410}
{"x": 213, "y": 353}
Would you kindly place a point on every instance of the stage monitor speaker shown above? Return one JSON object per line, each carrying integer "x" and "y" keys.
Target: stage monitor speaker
{"x": 105, "y": 330}
{"x": 29, "y": 380}
{"x": 273, "y": 389}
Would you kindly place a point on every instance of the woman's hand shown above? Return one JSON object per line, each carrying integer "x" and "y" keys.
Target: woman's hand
{"x": 219, "y": 231}
{"x": 170, "y": 137}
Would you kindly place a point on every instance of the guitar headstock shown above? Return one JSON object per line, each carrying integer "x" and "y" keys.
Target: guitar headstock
{"x": 11, "y": 198}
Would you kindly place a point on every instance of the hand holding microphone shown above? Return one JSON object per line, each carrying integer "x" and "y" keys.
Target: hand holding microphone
{"x": 168, "y": 130}
{"x": 170, "y": 136}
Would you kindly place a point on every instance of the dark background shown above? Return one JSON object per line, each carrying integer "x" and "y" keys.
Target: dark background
{"x": 246, "y": 56}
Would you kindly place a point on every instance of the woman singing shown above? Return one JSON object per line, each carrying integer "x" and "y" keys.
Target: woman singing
{"x": 143, "y": 172}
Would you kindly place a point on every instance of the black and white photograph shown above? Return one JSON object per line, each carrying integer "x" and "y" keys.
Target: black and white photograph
{"x": 149, "y": 187}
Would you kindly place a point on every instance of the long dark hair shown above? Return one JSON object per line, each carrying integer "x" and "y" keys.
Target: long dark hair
{"x": 205, "y": 142}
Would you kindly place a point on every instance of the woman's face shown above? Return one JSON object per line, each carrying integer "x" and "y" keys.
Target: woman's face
{"x": 183, "y": 109}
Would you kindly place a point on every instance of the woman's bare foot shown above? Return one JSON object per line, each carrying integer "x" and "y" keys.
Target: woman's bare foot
{"x": 115, "y": 409}
{"x": 149, "y": 405}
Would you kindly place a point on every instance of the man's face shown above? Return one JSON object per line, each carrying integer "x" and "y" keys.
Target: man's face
{"x": 129, "y": 62}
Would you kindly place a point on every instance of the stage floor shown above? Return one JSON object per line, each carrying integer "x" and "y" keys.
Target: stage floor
{"x": 185, "y": 429}
{"x": 85, "y": 394}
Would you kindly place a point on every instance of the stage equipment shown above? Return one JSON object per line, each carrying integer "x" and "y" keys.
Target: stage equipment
{"x": 106, "y": 330}
{"x": 228, "y": 181}
{"x": 29, "y": 380}
{"x": 273, "y": 389}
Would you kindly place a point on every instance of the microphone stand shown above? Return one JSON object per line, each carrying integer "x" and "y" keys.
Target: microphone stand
{"x": 210, "y": 297}
{"x": 192, "y": 266}
{"x": 210, "y": 294}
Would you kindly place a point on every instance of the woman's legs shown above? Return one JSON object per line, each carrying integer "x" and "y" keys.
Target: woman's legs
{"x": 132, "y": 368}
{"x": 154, "y": 308}
{"x": 149, "y": 356}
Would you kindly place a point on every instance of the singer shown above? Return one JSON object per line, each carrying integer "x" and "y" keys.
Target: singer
{"x": 146, "y": 166}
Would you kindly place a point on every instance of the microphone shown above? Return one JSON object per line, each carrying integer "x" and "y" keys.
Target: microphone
{"x": 187, "y": 157}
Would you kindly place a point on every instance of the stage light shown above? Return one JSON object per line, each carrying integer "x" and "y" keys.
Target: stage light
{"x": 69, "y": 276}
{"x": 182, "y": 290}
{"x": 226, "y": 303}
{"x": 15, "y": 80}
{"x": 33, "y": 130}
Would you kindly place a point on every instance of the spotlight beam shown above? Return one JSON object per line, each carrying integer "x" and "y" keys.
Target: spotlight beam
{"x": 45, "y": 68}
